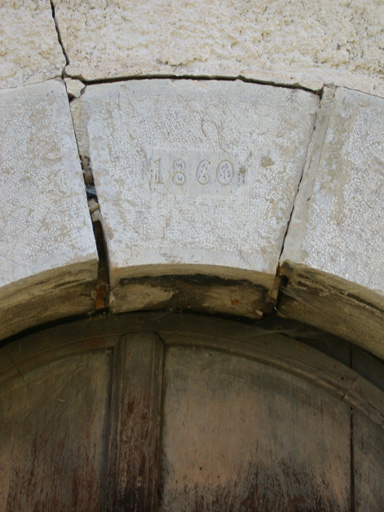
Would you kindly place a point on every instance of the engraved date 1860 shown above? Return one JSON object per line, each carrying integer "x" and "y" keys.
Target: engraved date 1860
{"x": 196, "y": 168}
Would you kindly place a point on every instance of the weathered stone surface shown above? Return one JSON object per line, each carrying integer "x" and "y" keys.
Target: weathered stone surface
{"x": 48, "y": 259}
{"x": 334, "y": 251}
{"x": 74, "y": 87}
{"x": 30, "y": 50}
{"x": 283, "y": 41}
{"x": 194, "y": 178}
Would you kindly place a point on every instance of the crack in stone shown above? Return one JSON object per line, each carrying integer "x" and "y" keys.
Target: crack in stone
{"x": 305, "y": 165}
{"x": 320, "y": 127}
{"x": 102, "y": 285}
{"x": 170, "y": 76}
{"x": 59, "y": 38}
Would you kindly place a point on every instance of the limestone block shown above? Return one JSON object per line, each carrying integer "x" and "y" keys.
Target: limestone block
{"x": 334, "y": 251}
{"x": 280, "y": 41}
{"x": 48, "y": 260}
{"x": 194, "y": 179}
{"x": 30, "y": 50}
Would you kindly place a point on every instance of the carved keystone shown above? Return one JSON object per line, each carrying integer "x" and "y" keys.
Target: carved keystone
{"x": 196, "y": 182}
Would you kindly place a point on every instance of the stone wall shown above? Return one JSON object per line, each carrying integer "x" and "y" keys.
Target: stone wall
{"x": 227, "y": 159}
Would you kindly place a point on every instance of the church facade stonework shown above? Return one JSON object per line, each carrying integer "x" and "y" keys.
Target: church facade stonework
{"x": 192, "y": 255}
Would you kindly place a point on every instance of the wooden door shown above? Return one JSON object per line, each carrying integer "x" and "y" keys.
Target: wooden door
{"x": 53, "y": 429}
{"x": 182, "y": 413}
{"x": 240, "y": 435}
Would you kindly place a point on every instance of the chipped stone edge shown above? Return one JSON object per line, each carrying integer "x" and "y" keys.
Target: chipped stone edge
{"x": 208, "y": 288}
{"x": 297, "y": 224}
{"x": 47, "y": 296}
{"x": 334, "y": 305}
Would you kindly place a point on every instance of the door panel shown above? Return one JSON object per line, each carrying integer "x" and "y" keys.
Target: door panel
{"x": 368, "y": 462}
{"x": 53, "y": 436}
{"x": 135, "y": 424}
{"x": 241, "y": 436}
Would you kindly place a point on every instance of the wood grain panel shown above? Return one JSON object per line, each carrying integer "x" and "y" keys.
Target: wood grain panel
{"x": 135, "y": 428}
{"x": 241, "y": 436}
{"x": 53, "y": 426}
{"x": 368, "y": 462}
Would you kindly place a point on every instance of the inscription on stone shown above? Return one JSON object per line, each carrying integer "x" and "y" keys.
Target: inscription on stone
{"x": 198, "y": 171}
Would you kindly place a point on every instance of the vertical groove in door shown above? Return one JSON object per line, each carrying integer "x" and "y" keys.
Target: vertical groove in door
{"x": 135, "y": 424}
{"x": 352, "y": 485}
{"x": 162, "y": 417}
{"x": 107, "y": 432}
{"x": 352, "y": 467}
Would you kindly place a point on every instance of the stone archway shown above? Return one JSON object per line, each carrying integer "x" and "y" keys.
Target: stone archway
{"x": 292, "y": 218}
{"x": 166, "y": 171}
{"x": 277, "y": 228}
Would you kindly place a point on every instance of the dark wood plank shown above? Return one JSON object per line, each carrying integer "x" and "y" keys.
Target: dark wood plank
{"x": 368, "y": 366}
{"x": 368, "y": 400}
{"x": 368, "y": 462}
{"x": 135, "y": 427}
{"x": 242, "y": 436}
{"x": 53, "y": 429}
{"x": 335, "y": 347}
{"x": 18, "y": 357}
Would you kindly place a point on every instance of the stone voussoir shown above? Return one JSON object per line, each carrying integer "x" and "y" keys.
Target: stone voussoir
{"x": 196, "y": 182}
{"x": 334, "y": 252}
{"x": 48, "y": 258}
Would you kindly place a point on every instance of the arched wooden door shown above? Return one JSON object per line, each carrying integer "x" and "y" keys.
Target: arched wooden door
{"x": 184, "y": 413}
